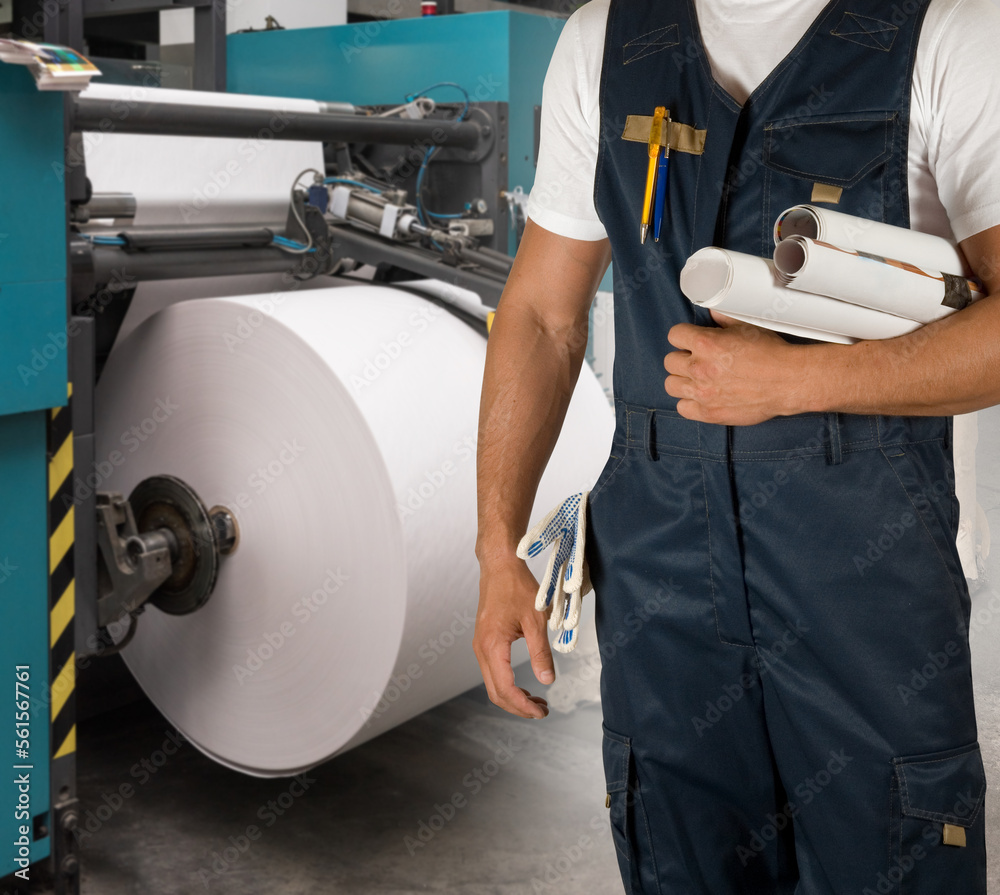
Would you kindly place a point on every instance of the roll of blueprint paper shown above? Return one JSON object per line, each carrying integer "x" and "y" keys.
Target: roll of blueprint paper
{"x": 861, "y": 234}
{"x": 746, "y": 287}
{"x": 872, "y": 281}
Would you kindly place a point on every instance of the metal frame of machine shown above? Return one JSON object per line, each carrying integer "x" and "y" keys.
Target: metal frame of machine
{"x": 100, "y": 557}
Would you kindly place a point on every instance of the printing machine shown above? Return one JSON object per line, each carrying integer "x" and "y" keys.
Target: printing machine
{"x": 75, "y": 559}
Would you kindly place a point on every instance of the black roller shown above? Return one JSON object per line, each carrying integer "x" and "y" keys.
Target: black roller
{"x": 264, "y": 124}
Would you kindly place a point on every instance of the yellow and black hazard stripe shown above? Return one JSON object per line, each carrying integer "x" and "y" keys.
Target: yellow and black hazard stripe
{"x": 62, "y": 581}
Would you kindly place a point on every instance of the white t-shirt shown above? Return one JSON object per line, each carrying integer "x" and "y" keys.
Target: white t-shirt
{"x": 954, "y": 171}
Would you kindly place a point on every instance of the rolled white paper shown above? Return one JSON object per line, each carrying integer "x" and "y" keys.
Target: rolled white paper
{"x": 739, "y": 284}
{"x": 861, "y": 234}
{"x": 871, "y": 281}
{"x": 339, "y": 426}
{"x": 792, "y": 330}
{"x": 199, "y": 180}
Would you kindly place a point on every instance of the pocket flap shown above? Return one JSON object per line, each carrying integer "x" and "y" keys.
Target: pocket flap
{"x": 947, "y": 786}
{"x": 830, "y": 149}
{"x": 617, "y": 755}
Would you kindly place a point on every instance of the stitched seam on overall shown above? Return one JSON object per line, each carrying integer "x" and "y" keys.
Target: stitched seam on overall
{"x": 835, "y": 446}
{"x": 923, "y": 523}
{"x": 711, "y": 568}
{"x": 649, "y": 838}
{"x": 649, "y": 48}
{"x": 723, "y": 215}
{"x": 697, "y": 186}
{"x": 765, "y": 233}
{"x": 689, "y": 454}
{"x": 900, "y": 847}
{"x": 888, "y": 839}
{"x": 611, "y": 476}
{"x": 812, "y": 32}
{"x": 888, "y": 25}
{"x": 884, "y": 155}
{"x": 706, "y": 69}
{"x": 845, "y": 35}
{"x": 602, "y": 91}
{"x": 934, "y": 815}
{"x": 881, "y": 180}
{"x": 850, "y": 447}
{"x": 907, "y": 443}
{"x": 861, "y": 43}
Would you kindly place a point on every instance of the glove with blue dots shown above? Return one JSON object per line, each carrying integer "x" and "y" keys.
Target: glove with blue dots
{"x": 567, "y": 579}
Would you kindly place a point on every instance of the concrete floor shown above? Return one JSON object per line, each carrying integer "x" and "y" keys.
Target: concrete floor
{"x": 530, "y": 813}
{"x": 462, "y": 800}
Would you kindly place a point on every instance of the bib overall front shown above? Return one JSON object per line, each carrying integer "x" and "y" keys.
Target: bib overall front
{"x": 781, "y": 611}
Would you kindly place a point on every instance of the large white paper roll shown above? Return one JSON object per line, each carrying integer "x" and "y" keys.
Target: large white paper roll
{"x": 872, "y": 281}
{"x": 861, "y": 234}
{"x": 745, "y": 286}
{"x": 199, "y": 180}
{"x": 339, "y": 427}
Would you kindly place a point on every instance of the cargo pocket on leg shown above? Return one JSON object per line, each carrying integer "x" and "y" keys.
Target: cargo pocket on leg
{"x": 938, "y": 826}
{"x": 629, "y": 827}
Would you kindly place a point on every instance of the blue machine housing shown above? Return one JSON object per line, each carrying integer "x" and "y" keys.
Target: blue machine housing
{"x": 495, "y": 56}
{"x": 33, "y": 378}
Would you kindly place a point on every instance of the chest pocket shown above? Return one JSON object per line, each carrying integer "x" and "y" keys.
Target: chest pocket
{"x": 850, "y": 151}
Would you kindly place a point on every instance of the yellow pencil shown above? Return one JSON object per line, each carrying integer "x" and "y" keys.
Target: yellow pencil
{"x": 654, "y": 158}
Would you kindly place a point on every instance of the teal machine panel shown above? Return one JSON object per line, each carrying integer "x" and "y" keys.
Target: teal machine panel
{"x": 32, "y": 245}
{"x": 24, "y": 626}
{"x": 32, "y": 379}
{"x": 496, "y": 56}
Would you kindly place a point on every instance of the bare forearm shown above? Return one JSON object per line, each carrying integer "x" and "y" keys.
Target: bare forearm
{"x": 535, "y": 352}
{"x": 530, "y": 375}
{"x": 947, "y": 367}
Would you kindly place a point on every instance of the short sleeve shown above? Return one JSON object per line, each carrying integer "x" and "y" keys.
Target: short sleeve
{"x": 960, "y": 86}
{"x": 562, "y": 198}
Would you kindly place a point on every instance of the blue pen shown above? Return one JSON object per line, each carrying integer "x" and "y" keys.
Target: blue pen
{"x": 661, "y": 184}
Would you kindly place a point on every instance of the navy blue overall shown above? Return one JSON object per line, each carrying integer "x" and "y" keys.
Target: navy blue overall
{"x": 781, "y": 610}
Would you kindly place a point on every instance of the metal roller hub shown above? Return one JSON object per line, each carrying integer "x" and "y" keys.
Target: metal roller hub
{"x": 197, "y": 539}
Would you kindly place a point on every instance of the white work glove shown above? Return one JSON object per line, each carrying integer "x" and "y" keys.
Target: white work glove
{"x": 567, "y": 578}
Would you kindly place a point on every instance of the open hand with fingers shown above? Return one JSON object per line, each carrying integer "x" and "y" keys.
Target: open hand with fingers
{"x": 507, "y": 613}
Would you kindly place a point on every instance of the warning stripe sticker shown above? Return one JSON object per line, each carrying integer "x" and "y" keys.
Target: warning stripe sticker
{"x": 62, "y": 583}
